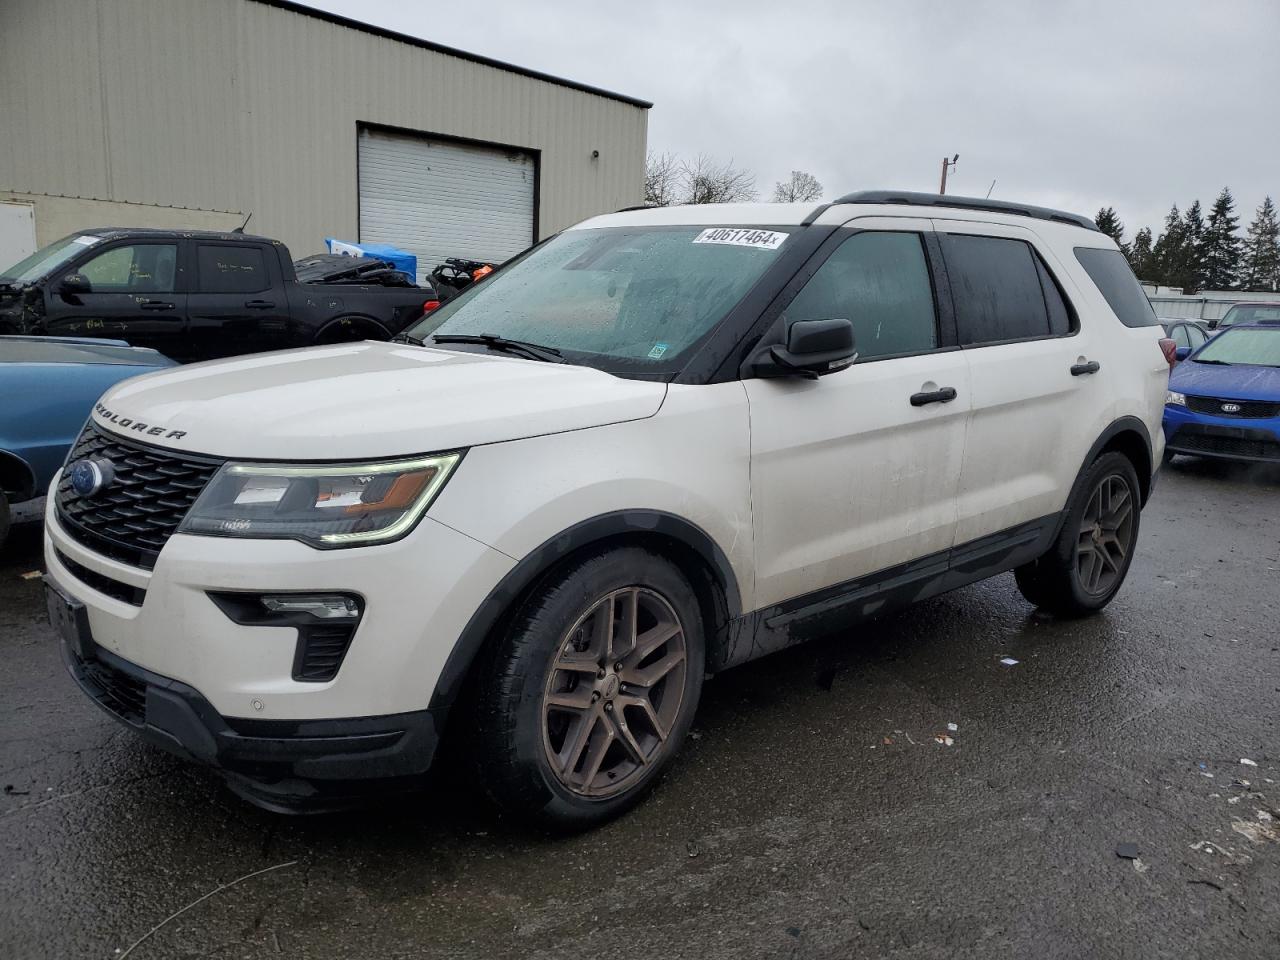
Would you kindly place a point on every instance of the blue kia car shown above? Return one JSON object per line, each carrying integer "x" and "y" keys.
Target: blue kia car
{"x": 1224, "y": 399}
{"x": 48, "y": 386}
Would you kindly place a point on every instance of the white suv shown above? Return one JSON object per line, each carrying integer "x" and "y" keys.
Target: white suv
{"x": 642, "y": 452}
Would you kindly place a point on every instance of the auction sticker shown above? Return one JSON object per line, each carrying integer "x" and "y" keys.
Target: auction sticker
{"x": 742, "y": 237}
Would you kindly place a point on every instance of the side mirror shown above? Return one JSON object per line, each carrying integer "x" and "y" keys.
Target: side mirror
{"x": 813, "y": 348}
{"x": 74, "y": 284}
{"x": 1213, "y": 324}
{"x": 1182, "y": 353}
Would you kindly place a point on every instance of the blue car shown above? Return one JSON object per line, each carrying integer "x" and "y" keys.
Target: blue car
{"x": 1224, "y": 400}
{"x": 49, "y": 385}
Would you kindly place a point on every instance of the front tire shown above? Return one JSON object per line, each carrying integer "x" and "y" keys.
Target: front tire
{"x": 591, "y": 691}
{"x": 1086, "y": 566}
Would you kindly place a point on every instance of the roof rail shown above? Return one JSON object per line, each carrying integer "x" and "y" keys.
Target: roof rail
{"x": 967, "y": 203}
{"x": 638, "y": 206}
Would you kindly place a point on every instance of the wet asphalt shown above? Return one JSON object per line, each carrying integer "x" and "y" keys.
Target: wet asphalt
{"x": 812, "y": 813}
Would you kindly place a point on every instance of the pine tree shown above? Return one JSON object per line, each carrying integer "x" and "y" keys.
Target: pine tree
{"x": 1192, "y": 277}
{"x": 1172, "y": 254}
{"x": 1109, "y": 223}
{"x": 1219, "y": 246}
{"x": 1260, "y": 263}
{"x": 1140, "y": 258}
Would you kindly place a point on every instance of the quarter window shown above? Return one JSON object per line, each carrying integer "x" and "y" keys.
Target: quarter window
{"x": 137, "y": 268}
{"x": 1001, "y": 290}
{"x": 226, "y": 269}
{"x": 1110, "y": 273}
{"x": 879, "y": 282}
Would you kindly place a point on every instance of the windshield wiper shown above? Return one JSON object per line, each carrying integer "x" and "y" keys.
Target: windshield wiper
{"x": 534, "y": 351}
{"x": 408, "y": 338}
{"x": 1219, "y": 363}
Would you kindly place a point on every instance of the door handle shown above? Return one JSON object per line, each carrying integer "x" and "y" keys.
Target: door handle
{"x": 155, "y": 305}
{"x": 1080, "y": 369}
{"x": 260, "y": 304}
{"x": 941, "y": 395}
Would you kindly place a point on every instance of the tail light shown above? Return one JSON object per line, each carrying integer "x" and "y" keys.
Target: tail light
{"x": 1170, "y": 350}
{"x": 435, "y": 305}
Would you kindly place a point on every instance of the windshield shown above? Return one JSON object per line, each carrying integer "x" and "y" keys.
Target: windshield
{"x": 1250, "y": 313}
{"x": 629, "y": 300}
{"x": 47, "y": 259}
{"x": 1255, "y": 346}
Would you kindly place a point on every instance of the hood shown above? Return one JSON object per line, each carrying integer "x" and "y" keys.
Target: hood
{"x": 366, "y": 400}
{"x": 1238, "y": 382}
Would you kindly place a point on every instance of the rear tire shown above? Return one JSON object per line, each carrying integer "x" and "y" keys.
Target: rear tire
{"x": 1088, "y": 562}
{"x": 590, "y": 693}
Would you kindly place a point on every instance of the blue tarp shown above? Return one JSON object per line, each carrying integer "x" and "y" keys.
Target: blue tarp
{"x": 400, "y": 259}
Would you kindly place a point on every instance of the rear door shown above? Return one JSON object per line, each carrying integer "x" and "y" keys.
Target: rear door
{"x": 238, "y": 302}
{"x": 1037, "y": 396}
{"x": 857, "y": 472}
{"x": 136, "y": 296}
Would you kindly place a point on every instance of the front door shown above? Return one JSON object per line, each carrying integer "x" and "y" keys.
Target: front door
{"x": 133, "y": 297}
{"x": 856, "y": 472}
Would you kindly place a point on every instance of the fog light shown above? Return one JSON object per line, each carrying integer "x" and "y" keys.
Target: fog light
{"x": 331, "y": 607}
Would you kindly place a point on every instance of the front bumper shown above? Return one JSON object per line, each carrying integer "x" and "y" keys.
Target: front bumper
{"x": 283, "y": 765}
{"x": 1225, "y": 438}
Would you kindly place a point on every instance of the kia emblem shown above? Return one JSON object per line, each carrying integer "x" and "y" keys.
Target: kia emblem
{"x": 1231, "y": 408}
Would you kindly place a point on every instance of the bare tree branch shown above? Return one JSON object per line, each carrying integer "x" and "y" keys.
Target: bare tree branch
{"x": 707, "y": 180}
{"x": 661, "y": 180}
{"x": 800, "y": 187}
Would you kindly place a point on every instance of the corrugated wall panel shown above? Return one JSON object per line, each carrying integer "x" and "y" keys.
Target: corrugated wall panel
{"x": 239, "y": 106}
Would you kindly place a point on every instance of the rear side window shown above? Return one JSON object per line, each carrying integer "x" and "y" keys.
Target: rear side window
{"x": 1110, "y": 273}
{"x": 225, "y": 269}
{"x": 880, "y": 282}
{"x": 995, "y": 283}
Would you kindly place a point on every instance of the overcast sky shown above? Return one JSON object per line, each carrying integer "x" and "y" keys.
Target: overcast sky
{"x": 1073, "y": 104}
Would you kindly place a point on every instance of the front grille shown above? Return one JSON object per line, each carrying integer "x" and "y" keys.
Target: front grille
{"x": 132, "y": 518}
{"x": 103, "y": 584}
{"x": 123, "y": 695}
{"x": 1249, "y": 409}
{"x": 1226, "y": 442}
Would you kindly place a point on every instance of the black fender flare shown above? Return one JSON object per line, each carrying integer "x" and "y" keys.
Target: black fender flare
{"x": 488, "y": 614}
{"x": 17, "y": 478}
{"x": 1126, "y": 424}
{"x": 358, "y": 317}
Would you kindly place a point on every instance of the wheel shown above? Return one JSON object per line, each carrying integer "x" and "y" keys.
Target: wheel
{"x": 349, "y": 330}
{"x": 4, "y": 518}
{"x": 592, "y": 690}
{"x": 1088, "y": 561}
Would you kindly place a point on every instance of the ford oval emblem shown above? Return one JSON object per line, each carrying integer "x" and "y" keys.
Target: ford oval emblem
{"x": 1231, "y": 408}
{"x": 90, "y": 476}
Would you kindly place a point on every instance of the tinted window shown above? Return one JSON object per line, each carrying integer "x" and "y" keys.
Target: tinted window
{"x": 225, "y": 269}
{"x": 995, "y": 283}
{"x": 1059, "y": 313}
{"x": 1110, "y": 273}
{"x": 144, "y": 268}
{"x": 880, "y": 282}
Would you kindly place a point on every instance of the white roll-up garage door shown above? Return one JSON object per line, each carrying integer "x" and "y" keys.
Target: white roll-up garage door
{"x": 439, "y": 198}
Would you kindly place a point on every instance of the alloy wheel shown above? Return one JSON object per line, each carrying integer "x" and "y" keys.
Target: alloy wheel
{"x": 1106, "y": 535}
{"x": 614, "y": 693}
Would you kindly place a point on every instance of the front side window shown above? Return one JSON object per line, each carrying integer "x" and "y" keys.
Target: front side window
{"x": 1110, "y": 273}
{"x": 629, "y": 300}
{"x": 996, "y": 287}
{"x": 227, "y": 269}
{"x": 880, "y": 282}
{"x": 136, "y": 268}
{"x": 1246, "y": 346}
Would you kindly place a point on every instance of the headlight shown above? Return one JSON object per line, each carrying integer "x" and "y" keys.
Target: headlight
{"x": 325, "y": 505}
{"x": 1175, "y": 398}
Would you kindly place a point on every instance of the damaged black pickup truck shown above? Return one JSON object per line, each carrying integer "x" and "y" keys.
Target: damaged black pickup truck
{"x": 196, "y": 295}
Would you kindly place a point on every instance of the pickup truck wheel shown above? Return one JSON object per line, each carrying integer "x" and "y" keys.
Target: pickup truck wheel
{"x": 592, "y": 690}
{"x": 350, "y": 330}
{"x": 1085, "y": 567}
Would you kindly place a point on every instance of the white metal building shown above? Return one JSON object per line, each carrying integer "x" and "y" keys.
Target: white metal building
{"x": 199, "y": 112}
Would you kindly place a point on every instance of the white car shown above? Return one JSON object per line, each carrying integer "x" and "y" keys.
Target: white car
{"x": 659, "y": 444}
